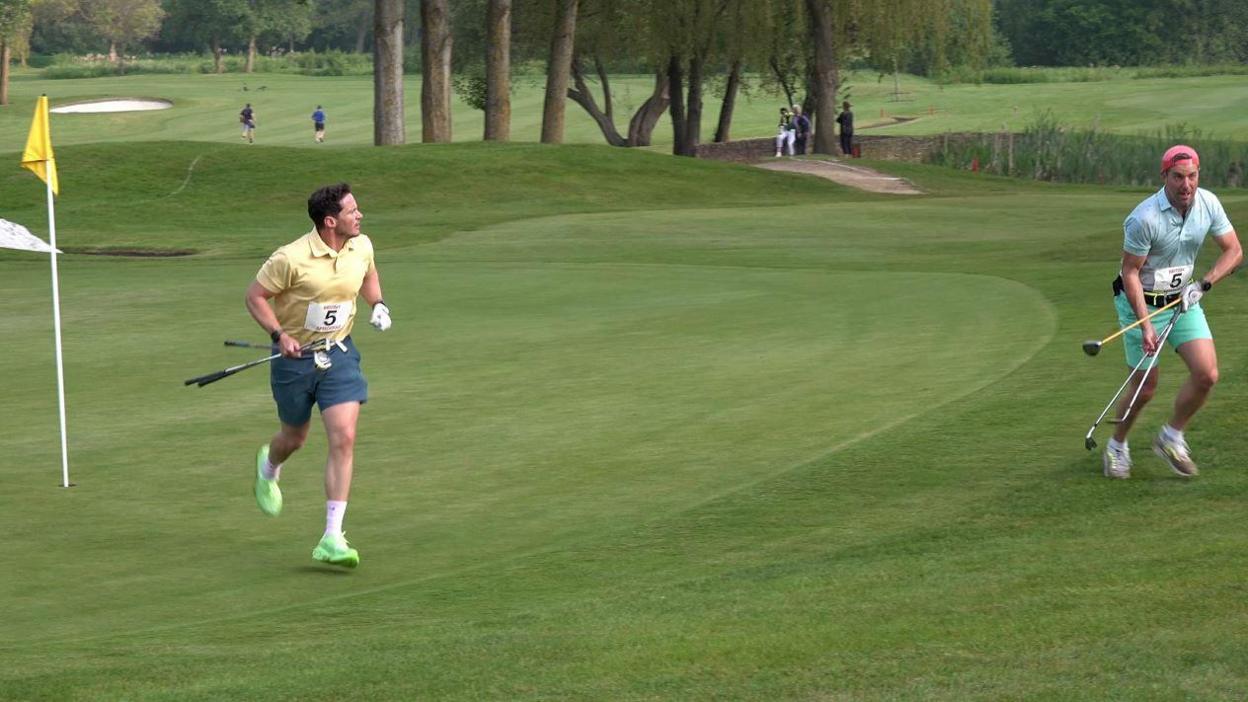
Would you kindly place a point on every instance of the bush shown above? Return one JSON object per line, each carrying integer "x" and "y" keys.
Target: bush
{"x": 311, "y": 63}
{"x": 1047, "y": 150}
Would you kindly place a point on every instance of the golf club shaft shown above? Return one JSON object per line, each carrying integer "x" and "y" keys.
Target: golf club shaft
{"x": 1161, "y": 340}
{"x": 1114, "y": 399}
{"x": 1140, "y": 321}
{"x": 249, "y": 345}
{"x": 203, "y": 380}
{"x": 1152, "y": 360}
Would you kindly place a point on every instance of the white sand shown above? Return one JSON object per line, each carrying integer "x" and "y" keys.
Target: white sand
{"x": 115, "y": 105}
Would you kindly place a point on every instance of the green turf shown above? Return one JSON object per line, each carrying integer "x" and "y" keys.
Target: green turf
{"x": 206, "y": 108}
{"x": 645, "y": 428}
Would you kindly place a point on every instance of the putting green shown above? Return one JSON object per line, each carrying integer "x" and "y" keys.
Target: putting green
{"x": 515, "y": 407}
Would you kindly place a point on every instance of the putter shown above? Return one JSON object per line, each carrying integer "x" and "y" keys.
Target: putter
{"x": 1093, "y": 347}
{"x": 1088, "y": 442}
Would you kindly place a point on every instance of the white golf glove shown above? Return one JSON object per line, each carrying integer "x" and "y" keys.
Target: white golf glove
{"x": 1192, "y": 293}
{"x": 381, "y": 317}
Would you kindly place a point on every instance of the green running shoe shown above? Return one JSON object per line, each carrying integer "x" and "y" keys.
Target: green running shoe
{"x": 334, "y": 550}
{"x": 268, "y": 494}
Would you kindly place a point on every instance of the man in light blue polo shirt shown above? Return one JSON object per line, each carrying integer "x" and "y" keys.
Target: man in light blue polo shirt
{"x": 1163, "y": 236}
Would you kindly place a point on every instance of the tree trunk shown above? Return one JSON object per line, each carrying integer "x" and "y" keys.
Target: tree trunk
{"x": 584, "y": 97}
{"x": 693, "y": 114}
{"x": 388, "y": 127}
{"x": 250, "y": 66}
{"x": 558, "y": 69}
{"x": 217, "y": 66}
{"x": 112, "y": 52}
{"x": 675, "y": 79}
{"x": 641, "y": 126}
{"x": 435, "y": 52}
{"x": 826, "y": 76}
{"x": 361, "y": 33}
{"x": 729, "y": 103}
{"x": 498, "y": 71}
{"x": 4, "y": 72}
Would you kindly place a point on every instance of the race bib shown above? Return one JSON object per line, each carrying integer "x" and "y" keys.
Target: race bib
{"x": 1169, "y": 279}
{"x": 328, "y": 316}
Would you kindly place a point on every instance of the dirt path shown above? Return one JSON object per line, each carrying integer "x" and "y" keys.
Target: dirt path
{"x": 845, "y": 174}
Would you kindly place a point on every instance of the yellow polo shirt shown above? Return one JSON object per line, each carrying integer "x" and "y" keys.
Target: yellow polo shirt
{"x": 316, "y": 287}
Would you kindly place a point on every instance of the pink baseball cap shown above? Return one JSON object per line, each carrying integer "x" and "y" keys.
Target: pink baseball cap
{"x": 1178, "y": 153}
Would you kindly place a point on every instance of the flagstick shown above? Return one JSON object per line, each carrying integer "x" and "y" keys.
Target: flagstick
{"x": 56, "y": 324}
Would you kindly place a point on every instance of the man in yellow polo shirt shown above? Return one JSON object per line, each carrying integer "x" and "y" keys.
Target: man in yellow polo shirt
{"x": 313, "y": 283}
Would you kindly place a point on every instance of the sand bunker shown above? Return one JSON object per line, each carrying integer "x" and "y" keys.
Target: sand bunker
{"x": 114, "y": 105}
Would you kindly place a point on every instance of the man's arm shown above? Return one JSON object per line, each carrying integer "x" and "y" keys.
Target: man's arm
{"x": 1232, "y": 255}
{"x": 257, "y": 300}
{"x": 1134, "y": 290}
{"x": 370, "y": 290}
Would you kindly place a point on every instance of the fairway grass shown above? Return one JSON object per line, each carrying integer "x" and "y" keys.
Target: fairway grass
{"x": 205, "y": 108}
{"x": 645, "y": 429}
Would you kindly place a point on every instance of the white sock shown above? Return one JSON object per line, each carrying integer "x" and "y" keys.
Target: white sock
{"x": 1171, "y": 433}
{"x": 334, "y": 512}
{"x": 1117, "y": 447}
{"x": 270, "y": 471}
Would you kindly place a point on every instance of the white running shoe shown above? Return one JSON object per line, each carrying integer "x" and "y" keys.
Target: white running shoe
{"x": 1177, "y": 454}
{"x": 1117, "y": 464}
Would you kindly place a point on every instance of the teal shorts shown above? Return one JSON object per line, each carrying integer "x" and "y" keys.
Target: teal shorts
{"x": 297, "y": 384}
{"x": 1191, "y": 326}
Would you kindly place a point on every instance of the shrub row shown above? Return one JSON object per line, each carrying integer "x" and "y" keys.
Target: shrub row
{"x": 1047, "y": 150}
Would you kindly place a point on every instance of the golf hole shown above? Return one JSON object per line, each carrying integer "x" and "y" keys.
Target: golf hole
{"x": 114, "y": 105}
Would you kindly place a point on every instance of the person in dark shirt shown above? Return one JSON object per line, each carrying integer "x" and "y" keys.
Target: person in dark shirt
{"x": 801, "y": 124}
{"x": 846, "y": 120}
{"x": 248, "y": 117}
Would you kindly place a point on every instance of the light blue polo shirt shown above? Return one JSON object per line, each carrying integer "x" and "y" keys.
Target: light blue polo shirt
{"x": 1155, "y": 229}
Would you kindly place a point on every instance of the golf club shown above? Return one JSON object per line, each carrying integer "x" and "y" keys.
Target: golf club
{"x": 249, "y": 345}
{"x": 1088, "y": 442}
{"x": 1093, "y": 347}
{"x": 1161, "y": 340}
{"x": 207, "y": 378}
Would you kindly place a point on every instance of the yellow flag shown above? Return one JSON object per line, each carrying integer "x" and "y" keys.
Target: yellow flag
{"x": 38, "y": 154}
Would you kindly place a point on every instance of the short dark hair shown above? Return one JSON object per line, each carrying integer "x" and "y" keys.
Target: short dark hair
{"x": 327, "y": 202}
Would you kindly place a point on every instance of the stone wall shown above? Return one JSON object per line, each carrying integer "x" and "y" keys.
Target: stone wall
{"x": 877, "y": 146}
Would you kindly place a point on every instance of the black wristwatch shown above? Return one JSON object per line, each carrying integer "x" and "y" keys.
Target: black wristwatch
{"x": 1205, "y": 285}
{"x": 275, "y": 335}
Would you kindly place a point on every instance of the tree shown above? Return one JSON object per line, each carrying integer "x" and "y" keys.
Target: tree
{"x": 435, "y": 53}
{"x": 121, "y": 22}
{"x": 209, "y": 22}
{"x": 498, "y": 71}
{"x": 388, "y": 122}
{"x": 558, "y": 70}
{"x": 613, "y": 31}
{"x": 14, "y": 19}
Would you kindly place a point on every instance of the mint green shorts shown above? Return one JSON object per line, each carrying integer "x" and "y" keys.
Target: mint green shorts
{"x": 1191, "y": 326}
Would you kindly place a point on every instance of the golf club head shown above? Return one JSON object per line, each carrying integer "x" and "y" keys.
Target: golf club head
{"x": 1091, "y": 347}
{"x": 1088, "y": 442}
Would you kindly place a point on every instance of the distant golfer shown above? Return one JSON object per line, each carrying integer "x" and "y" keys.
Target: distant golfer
{"x": 318, "y": 124}
{"x": 313, "y": 283}
{"x": 846, "y": 120}
{"x": 248, "y": 117}
{"x": 1162, "y": 237}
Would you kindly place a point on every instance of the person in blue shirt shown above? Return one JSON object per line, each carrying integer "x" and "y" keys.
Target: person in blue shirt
{"x": 318, "y": 124}
{"x": 1162, "y": 237}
